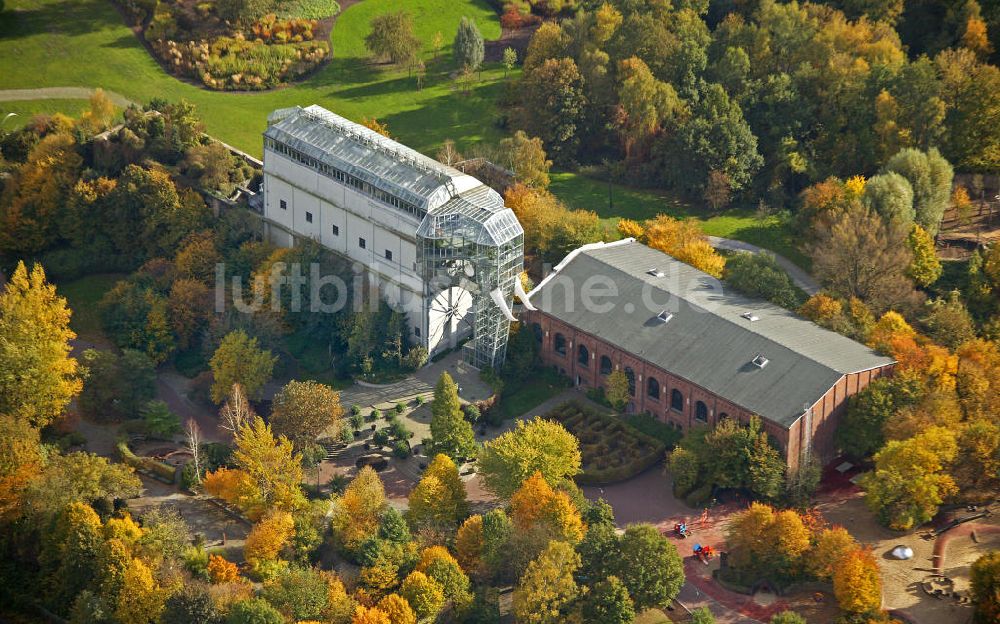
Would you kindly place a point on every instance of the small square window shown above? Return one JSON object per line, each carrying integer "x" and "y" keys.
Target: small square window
{"x": 283, "y": 204}
{"x": 309, "y": 217}
{"x": 361, "y": 243}
{"x": 388, "y": 255}
{"x": 336, "y": 230}
{"x": 416, "y": 332}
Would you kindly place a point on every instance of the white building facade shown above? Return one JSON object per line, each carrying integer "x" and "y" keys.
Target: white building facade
{"x": 441, "y": 246}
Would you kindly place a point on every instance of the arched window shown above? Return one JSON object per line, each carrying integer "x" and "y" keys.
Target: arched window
{"x": 560, "y": 344}
{"x": 653, "y": 388}
{"x": 536, "y": 329}
{"x": 630, "y": 376}
{"x": 605, "y": 365}
{"x": 676, "y": 400}
{"x": 700, "y": 412}
{"x": 583, "y": 356}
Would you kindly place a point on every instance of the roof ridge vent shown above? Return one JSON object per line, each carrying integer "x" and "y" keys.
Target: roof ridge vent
{"x": 760, "y": 361}
{"x": 750, "y": 316}
{"x": 656, "y": 272}
{"x": 665, "y": 316}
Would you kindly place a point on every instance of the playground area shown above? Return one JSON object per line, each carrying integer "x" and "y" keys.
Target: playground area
{"x": 922, "y": 588}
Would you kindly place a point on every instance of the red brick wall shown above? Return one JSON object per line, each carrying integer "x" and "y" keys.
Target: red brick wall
{"x": 826, "y": 412}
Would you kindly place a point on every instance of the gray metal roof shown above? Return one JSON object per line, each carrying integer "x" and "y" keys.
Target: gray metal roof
{"x": 708, "y": 340}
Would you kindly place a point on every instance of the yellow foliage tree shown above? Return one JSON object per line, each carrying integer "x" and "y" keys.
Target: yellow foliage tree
{"x": 439, "y": 499}
{"x": 889, "y": 327}
{"x": 140, "y": 600}
{"x": 273, "y": 471}
{"x": 547, "y": 586}
{"x": 469, "y": 546}
{"x": 631, "y": 229}
{"x": 356, "y": 514}
{"x": 268, "y": 537}
{"x": 370, "y": 615}
{"x": 537, "y": 505}
{"x": 221, "y": 570}
{"x": 424, "y": 595}
{"x": 857, "y": 583}
{"x": 398, "y": 610}
{"x": 832, "y": 545}
{"x": 685, "y": 241}
{"x": 38, "y": 378}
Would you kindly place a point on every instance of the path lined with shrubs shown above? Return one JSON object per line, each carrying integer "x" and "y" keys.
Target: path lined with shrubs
{"x": 799, "y": 276}
{"x": 59, "y": 93}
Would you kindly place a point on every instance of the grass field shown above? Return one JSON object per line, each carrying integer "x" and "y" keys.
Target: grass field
{"x": 61, "y": 43}
{"x": 83, "y": 295}
{"x": 26, "y": 108}
{"x": 579, "y": 191}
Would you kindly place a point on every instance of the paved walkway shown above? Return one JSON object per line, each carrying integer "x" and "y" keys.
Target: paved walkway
{"x": 59, "y": 93}
{"x": 800, "y": 277}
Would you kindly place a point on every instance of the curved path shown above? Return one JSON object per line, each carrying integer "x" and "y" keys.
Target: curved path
{"x": 800, "y": 277}
{"x": 59, "y": 93}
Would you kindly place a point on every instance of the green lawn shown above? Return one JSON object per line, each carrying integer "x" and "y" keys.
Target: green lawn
{"x": 579, "y": 191}
{"x": 517, "y": 400}
{"x": 83, "y": 295}
{"x": 62, "y": 43}
{"x": 26, "y": 108}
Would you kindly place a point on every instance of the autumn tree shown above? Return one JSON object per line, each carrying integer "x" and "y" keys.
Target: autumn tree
{"x": 270, "y": 469}
{"x": 424, "y": 595}
{"x": 469, "y": 545}
{"x": 551, "y": 230}
{"x": 984, "y": 577}
{"x": 547, "y": 589}
{"x": 832, "y": 545}
{"x": 189, "y": 308}
{"x": 140, "y": 599}
{"x": 857, "y": 583}
{"x": 80, "y": 478}
{"x": 221, "y": 570}
{"x": 684, "y": 240}
{"x": 537, "y": 508}
{"x": 468, "y": 48}
{"x": 397, "y": 609}
{"x": 392, "y": 39}
{"x": 647, "y": 104}
{"x": 240, "y": 360}
{"x": 38, "y": 378}
{"x": 925, "y": 268}
{"x": 532, "y": 446}
{"x": 526, "y": 157}
{"x": 267, "y": 538}
{"x": 236, "y": 412}
{"x": 302, "y": 410}
{"x": 356, "y": 514}
{"x": 439, "y": 499}
{"x": 863, "y": 256}
{"x": 451, "y": 433}
{"x": 909, "y": 481}
{"x": 616, "y": 389}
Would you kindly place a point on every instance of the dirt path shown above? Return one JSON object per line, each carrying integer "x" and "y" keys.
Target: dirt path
{"x": 800, "y": 277}
{"x": 59, "y": 93}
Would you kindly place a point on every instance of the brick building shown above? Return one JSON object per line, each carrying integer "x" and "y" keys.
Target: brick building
{"x": 694, "y": 351}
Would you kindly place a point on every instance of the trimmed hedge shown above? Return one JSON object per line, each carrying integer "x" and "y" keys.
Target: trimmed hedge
{"x": 158, "y": 468}
{"x": 699, "y": 496}
{"x": 612, "y": 449}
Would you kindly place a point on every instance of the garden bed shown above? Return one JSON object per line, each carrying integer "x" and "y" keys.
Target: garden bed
{"x": 191, "y": 39}
{"x": 611, "y": 449}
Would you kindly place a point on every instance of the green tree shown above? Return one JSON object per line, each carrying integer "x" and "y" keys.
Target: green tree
{"x": 759, "y": 275}
{"x": 468, "y": 48}
{"x": 116, "y": 387}
{"x": 392, "y": 39}
{"x": 254, "y": 611}
{"x": 787, "y": 617}
{"x": 302, "y": 410}
{"x": 159, "y": 420}
{"x": 685, "y": 467}
{"x": 702, "y": 615}
{"x": 609, "y": 602}
{"x": 985, "y": 580}
{"x": 860, "y": 434}
{"x": 452, "y": 434}
{"x": 299, "y": 593}
{"x": 533, "y": 446}
{"x": 547, "y": 589}
{"x": 38, "y": 378}
{"x": 424, "y": 594}
{"x": 191, "y": 605}
{"x": 239, "y": 360}
{"x": 649, "y": 567}
{"x": 948, "y": 321}
{"x": 553, "y": 102}
{"x": 930, "y": 176}
{"x": 891, "y": 196}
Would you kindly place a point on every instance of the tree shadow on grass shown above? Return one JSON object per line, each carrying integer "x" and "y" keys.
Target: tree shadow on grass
{"x": 64, "y": 17}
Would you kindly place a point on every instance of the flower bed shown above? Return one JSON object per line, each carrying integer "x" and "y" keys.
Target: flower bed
{"x": 191, "y": 40}
{"x": 611, "y": 449}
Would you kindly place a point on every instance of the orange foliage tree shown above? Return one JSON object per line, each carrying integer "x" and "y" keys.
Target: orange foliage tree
{"x": 857, "y": 583}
